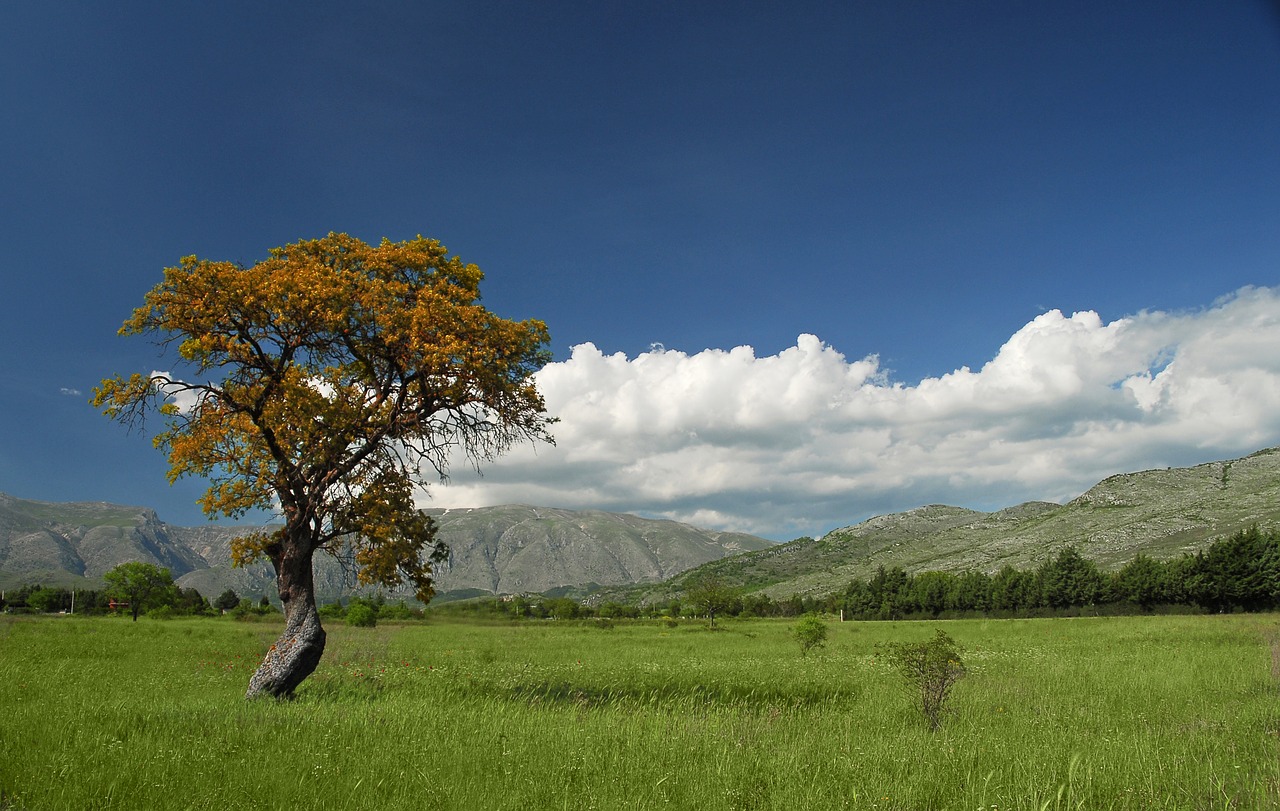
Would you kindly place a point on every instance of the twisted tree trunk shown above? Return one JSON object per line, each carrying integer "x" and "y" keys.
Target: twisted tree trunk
{"x": 295, "y": 655}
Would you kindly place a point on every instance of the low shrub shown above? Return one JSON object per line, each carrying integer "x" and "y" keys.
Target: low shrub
{"x": 811, "y": 633}
{"x": 930, "y": 670}
{"x": 361, "y": 615}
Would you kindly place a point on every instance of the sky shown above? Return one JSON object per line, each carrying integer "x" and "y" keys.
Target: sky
{"x": 802, "y": 263}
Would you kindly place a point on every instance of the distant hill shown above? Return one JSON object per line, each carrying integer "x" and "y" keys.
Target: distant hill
{"x": 513, "y": 549}
{"x": 494, "y": 549}
{"x": 1160, "y": 513}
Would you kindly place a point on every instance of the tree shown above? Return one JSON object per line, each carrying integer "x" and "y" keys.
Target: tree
{"x": 1070, "y": 580}
{"x": 227, "y": 600}
{"x": 327, "y": 381}
{"x": 1141, "y": 581}
{"x": 45, "y": 599}
{"x": 138, "y": 584}
{"x": 711, "y": 596}
{"x": 562, "y": 608}
{"x": 930, "y": 590}
{"x": 191, "y": 601}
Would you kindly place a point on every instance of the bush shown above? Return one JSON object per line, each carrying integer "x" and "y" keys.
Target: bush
{"x": 332, "y": 610}
{"x": 396, "y": 611}
{"x": 810, "y": 632}
{"x": 930, "y": 669}
{"x": 249, "y": 611}
{"x": 361, "y": 615}
{"x": 227, "y": 600}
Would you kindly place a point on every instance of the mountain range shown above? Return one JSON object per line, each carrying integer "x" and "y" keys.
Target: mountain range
{"x": 1160, "y": 513}
{"x": 495, "y": 550}
{"x": 521, "y": 549}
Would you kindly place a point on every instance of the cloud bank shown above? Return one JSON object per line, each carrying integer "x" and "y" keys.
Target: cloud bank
{"x": 808, "y": 440}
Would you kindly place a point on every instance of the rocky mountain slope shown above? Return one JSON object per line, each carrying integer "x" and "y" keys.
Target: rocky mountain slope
{"x": 1160, "y": 513}
{"x": 494, "y": 549}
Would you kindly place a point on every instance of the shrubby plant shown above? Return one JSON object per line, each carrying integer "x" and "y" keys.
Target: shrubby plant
{"x": 810, "y": 632}
{"x": 361, "y": 615}
{"x": 930, "y": 669}
{"x": 248, "y": 610}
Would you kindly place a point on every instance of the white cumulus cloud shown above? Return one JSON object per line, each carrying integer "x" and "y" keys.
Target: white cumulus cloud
{"x": 809, "y": 439}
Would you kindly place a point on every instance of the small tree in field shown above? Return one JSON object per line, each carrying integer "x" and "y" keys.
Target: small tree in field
{"x": 227, "y": 600}
{"x": 811, "y": 633}
{"x": 930, "y": 669}
{"x": 138, "y": 584}
{"x": 710, "y": 595}
{"x": 325, "y": 381}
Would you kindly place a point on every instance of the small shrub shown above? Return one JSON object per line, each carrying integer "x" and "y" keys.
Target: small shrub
{"x": 332, "y": 611}
{"x": 810, "y": 632}
{"x": 161, "y": 612}
{"x": 930, "y": 669}
{"x": 244, "y": 610}
{"x": 396, "y": 611}
{"x": 361, "y": 615}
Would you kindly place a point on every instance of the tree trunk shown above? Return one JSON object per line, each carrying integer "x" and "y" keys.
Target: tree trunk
{"x": 295, "y": 655}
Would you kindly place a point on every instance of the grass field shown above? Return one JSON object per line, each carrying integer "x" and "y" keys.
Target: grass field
{"x": 1124, "y": 713}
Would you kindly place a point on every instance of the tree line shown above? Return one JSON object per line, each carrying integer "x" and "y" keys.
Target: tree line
{"x": 1236, "y": 573}
{"x": 133, "y": 588}
{"x": 1240, "y": 572}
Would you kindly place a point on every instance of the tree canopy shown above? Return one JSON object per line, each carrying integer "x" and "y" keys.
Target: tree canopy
{"x": 329, "y": 381}
{"x": 138, "y": 584}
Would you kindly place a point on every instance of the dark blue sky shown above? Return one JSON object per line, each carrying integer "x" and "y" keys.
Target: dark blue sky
{"x": 915, "y": 180}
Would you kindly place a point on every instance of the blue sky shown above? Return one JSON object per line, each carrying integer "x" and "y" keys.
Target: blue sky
{"x": 1034, "y": 243}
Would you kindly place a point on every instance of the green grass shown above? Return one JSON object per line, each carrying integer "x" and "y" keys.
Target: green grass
{"x": 1124, "y": 713}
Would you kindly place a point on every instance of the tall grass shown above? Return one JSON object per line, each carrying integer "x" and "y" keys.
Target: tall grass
{"x": 1124, "y": 713}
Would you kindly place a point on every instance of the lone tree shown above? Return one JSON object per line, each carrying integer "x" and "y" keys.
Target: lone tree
{"x": 811, "y": 633}
{"x": 138, "y": 584}
{"x": 710, "y": 595}
{"x": 327, "y": 381}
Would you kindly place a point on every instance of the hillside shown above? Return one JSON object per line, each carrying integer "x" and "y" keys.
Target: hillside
{"x": 494, "y": 549}
{"x": 1160, "y": 513}
{"x": 511, "y": 549}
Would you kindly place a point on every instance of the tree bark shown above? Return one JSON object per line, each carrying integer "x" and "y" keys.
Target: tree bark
{"x": 295, "y": 655}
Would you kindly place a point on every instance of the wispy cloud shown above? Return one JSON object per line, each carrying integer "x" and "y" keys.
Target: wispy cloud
{"x": 70, "y": 392}
{"x": 806, "y": 440}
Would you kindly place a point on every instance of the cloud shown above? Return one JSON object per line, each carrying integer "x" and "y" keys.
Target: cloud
{"x": 70, "y": 392}
{"x": 808, "y": 440}
{"x": 175, "y": 391}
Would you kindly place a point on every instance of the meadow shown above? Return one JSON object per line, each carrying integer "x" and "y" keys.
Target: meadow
{"x": 1173, "y": 712}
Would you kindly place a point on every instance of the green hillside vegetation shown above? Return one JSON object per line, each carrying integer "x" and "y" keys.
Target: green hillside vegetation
{"x": 604, "y": 558}
{"x": 1161, "y": 514}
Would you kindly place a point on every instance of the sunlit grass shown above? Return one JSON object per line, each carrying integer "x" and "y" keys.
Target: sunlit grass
{"x": 1157, "y": 712}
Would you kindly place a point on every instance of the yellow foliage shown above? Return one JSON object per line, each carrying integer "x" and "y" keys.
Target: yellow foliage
{"x": 322, "y": 380}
